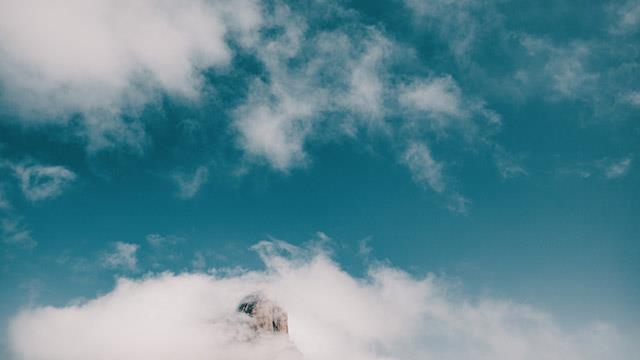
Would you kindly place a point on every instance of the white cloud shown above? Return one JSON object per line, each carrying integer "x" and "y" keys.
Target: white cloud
{"x": 189, "y": 185}
{"x": 438, "y": 96}
{"x": 608, "y": 168}
{"x": 323, "y": 85}
{"x": 632, "y": 98}
{"x": 366, "y": 86}
{"x": 40, "y": 182}
{"x": 424, "y": 168}
{"x": 316, "y": 84}
{"x": 273, "y": 125}
{"x": 438, "y": 104}
{"x": 158, "y": 240}
{"x": 616, "y": 168}
{"x": 106, "y": 58}
{"x": 388, "y": 314}
{"x": 563, "y": 66}
{"x": 122, "y": 256}
{"x": 276, "y": 117}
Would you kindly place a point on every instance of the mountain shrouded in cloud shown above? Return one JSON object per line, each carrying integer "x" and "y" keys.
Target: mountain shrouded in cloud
{"x": 491, "y": 142}
{"x": 332, "y": 315}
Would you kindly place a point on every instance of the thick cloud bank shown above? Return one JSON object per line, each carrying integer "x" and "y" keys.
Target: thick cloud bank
{"x": 387, "y": 315}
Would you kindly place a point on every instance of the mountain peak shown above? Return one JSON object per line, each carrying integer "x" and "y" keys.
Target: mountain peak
{"x": 265, "y": 313}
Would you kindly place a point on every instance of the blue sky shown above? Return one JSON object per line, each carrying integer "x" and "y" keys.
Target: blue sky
{"x": 492, "y": 143}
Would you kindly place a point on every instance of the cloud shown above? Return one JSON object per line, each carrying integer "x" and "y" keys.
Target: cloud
{"x": 123, "y": 256}
{"x": 317, "y": 84}
{"x": 388, "y": 314}
{"x": 274, "y": 121}
{"x": 458, "y": 203}
{"x": 425, "y": 170}
{"x": 627, "y": 18}
{"x": 632, "y": 98}
{"x": 321, "y": 85}
{"x": 438, "y": 105}
{"x": 615, "y": 168}
{"x": 423, "y": 167}
{"x": 104, "y": 59}
{"x": 14, "y": 232}
{"x": 458, "y": 23}
{"x": 158, "y": 240}
{"x": 509, "y": 166}
{"x": 366, "y": 84}
{"x": 438, "y": 96}
{"x": 199, "y": 263}
{"x": 607, "y": 168}
{"x": 4, "y": 202}
{"x": 40, "y": 182}
{"x": 276, "y": 129}
{"x": 364, "y": 247}
{"x": 189, "y": 185}
{"x": 440, "y": 99}
{"x": 312, "y": 83}
{"x": 593, "y": 68}
{"x": 563, "y": 66}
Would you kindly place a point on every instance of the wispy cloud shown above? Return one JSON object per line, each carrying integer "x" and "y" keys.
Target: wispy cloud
{"x": 626, "y": 17}
{"x": 14, "y": 232}
{"x": 426, "y": 170}
{"x": 42, "y": 182}
{"x": 122, "y": 256}
{"x": 632, "y": 98}
{"x": 607, "y": 168}
{"x": 615, "y": 168}
{"x": 460, "y": 24}
{"x": 364, "y": 247}
{"x": 564, "y": 66}
{"x": 388, "y": 314}
{"x": 345, "y": 82}
{"x": 313, "y": 84}
{"x": 158, "y": 240}
{"x": 274, "y": 131}
{"x": 438, "y": 105}
{"x": 509, "y": 166}
{"x": 189, "y": 184}
{"x": 199, "y": 262}
{"x": 423, "y": 167}
{"x": 4, "y": 202}
{"x": 438, "y": 96}
{"x": 367, "y": 84}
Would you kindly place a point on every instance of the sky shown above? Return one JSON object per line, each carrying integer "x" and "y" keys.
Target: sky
{"x": 467, "y": 170}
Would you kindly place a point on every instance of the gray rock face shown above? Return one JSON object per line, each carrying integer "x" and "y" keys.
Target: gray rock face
{"x": 266, "y": 315}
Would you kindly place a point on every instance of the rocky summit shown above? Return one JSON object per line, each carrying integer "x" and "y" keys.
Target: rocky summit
{"x": 266, "y": 315}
